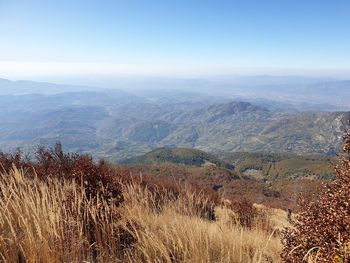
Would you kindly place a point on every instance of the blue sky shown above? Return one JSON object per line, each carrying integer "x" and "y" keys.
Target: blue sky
{"x": 174, "y": 37}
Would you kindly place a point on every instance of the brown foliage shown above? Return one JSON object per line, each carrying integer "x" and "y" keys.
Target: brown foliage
{"x": 102, "y": 179}
{"x": 244, "y": 210}
{"x": 322, "y": 228}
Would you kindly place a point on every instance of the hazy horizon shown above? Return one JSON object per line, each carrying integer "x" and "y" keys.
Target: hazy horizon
{"x": 51, "y": 41}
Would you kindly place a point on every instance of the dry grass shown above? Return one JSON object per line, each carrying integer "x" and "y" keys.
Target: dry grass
{"x": 171, "y": 236}
{"x": 277, "y": 218}
{"x": 54, "y": 221}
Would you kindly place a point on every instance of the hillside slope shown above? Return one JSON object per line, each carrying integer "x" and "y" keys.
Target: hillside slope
{"x": 116, "y": 125}
{"x": 272, "y": 179}
{"x": 184, "y": 156}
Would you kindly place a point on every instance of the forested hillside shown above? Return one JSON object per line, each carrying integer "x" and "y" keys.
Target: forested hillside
{"x": 114, "y": 124}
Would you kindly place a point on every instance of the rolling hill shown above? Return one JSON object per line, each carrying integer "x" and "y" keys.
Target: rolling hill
{"x": 271, "y": 179}
{"x": 185, "y": 156}
{"x": 115, "y": 125}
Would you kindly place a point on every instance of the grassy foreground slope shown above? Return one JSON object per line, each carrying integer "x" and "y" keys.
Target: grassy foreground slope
{"x": 73, "y": 210}
{"x": 66, "y": 208}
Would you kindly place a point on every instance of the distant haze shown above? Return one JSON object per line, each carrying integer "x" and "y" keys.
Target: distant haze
{"x": 62, "y": 39}
{"x": 316, "y": 93}
{"x": 87, "y": 73}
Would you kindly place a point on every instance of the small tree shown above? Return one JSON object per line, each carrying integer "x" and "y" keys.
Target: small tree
{"x": 322, "y": 228}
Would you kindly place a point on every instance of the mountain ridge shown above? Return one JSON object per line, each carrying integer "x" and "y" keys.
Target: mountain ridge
{"x": 115, "y": 125}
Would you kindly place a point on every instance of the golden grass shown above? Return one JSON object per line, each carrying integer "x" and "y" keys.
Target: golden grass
{"x": 178, "y": 234}
{"x": 54, "y": 221}
{"x": 277, "y": 218}
{"x": 49, "y": 222}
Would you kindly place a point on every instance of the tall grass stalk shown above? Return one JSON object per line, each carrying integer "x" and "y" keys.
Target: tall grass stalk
{"x": 55, "y": 221}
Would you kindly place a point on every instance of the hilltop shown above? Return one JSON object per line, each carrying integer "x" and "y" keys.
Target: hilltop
{"x": 263, "y": 166}
{"x": 115, "y": 125}
{"x": 272, "y": 179}
{"x": 185, "y": 156}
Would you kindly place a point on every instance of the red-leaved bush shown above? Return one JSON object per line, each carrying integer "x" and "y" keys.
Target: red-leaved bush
{"x": 103, "y": 179}
{"x": 322, "y": 227}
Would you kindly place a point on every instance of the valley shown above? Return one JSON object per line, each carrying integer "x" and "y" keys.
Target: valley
{"x": 114, "y": 124}
{"x": 275, "y": 180}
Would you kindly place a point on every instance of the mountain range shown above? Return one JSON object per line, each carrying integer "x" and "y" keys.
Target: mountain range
{"x": 116, "y": 124}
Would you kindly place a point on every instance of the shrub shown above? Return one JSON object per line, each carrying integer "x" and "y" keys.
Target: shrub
{"x": 322, "y": 228}
{"x": 67, "y": 208}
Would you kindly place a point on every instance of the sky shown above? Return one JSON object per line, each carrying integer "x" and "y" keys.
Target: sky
{"x": 41, "y": 38}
